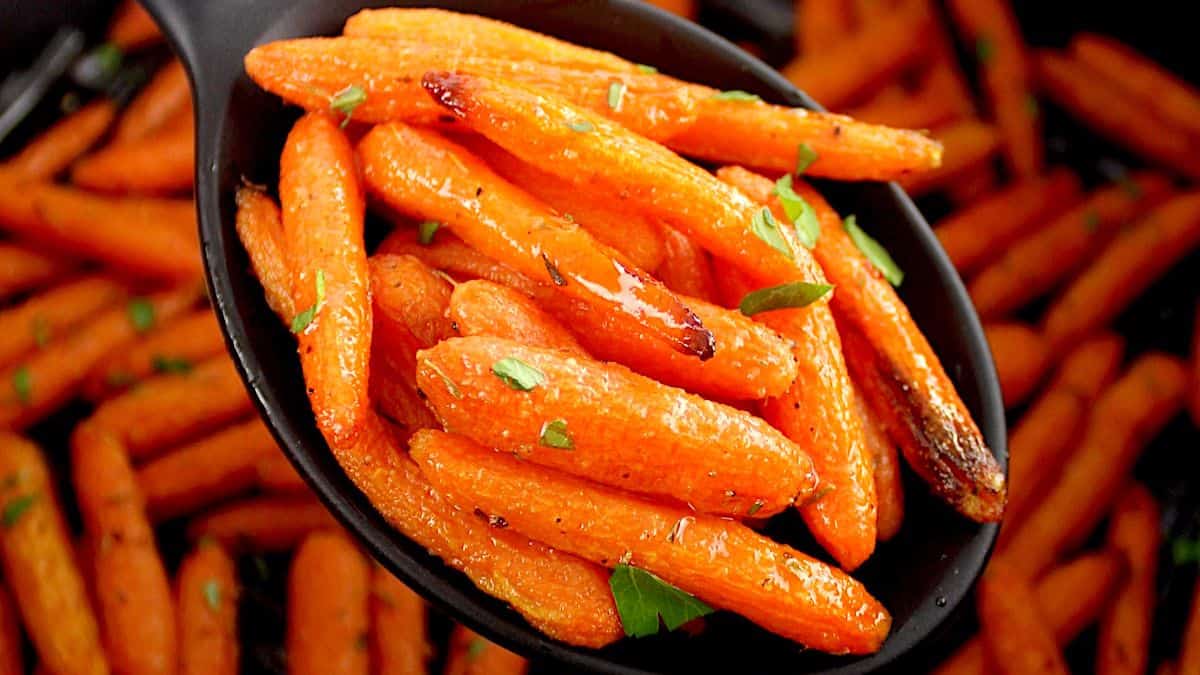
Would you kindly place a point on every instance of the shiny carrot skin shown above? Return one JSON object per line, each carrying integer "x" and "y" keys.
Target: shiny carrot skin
{"x": 133, "y": 592}
{"x": 410, "y": 303}
{"x": 399, "y": 639}
{"x": 896, "y": 367}
{"x": 1123, "y": 270}
{"x": 1123, "y": 420}
{"x": 40, "y": 567}
{"x": 472, "y": 654}
{"x": 1021, "y": 356}
{"x": 1039, "y": 262}
{"x": 803, "y": 599}
{"x": 260, "y": 229}
{"x": 207, "y": 600}
{"x": 424, "y": 175}
{"x": 885, "y": 463}
{"x": 132, "y": 27}
{"x": 52, "y": 314}
{"x": 1017, "y": 638}
{"x": 23, "y": 269}
{"x": 481, "y": 307}
{"x": 686, "y": 268}
{"x": 263, "y": 524}
{"x": 53, "y": 151}
{"x": 12, "y": 660}
{"x": 327, "y": 622}
{"x": 163, "y": 97}
{"x": 160, "y": 164}
{"x": 177, "y": 346}
{"x": 323, "y": 209}
{"x": 967, "y": 146}
{"x": 714, "y": 457}
{"x": 1134, "y": 531}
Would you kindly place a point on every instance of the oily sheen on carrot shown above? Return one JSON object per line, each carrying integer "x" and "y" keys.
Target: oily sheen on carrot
{"x": 716, "y": 458}
{"x": 207, "y": 599}
{"x": 1124, "y": 644}
{"x": 1017, "y": 638}
{"x": 263, "y": 524}
{"x": 323, "y": 209}
{"x": 781, "y": 589}
{"x": 175, "y": 347}
{"x": 480, "y": 307}
{"x": 260, "y": 229}
{"x": 424, "y": 175}
{"x": 399, "y": 639}
{"x": 47, "y": 155}
{"x": 686, "y": 268}
{"x": 51, "y": 314}
{"x": 327, "y": 622}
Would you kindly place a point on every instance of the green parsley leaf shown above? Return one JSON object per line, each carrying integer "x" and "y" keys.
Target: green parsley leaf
{"x": 786, "y": 296}
{"x": 22, "y": 384}
{"x": 346, "y": 100}
{"x": 168, "y": 364}
{"x": 802, "y": 215}
{"x": 1091, "y": 221}
{"x": 518, "y": 374}
{"x": 874, "y": 251}
{"x": 805, "y": 156}
{"x": 212, "y": 594}
{"x": 1130, "y": 187}
{"x": 426, "y": 230}
{"x": 41, "y": 331}
{"x": 476, "y": 649}
{"x": 1185, "y": 551}
{"x": 736, "y": 95}
{"x": 141, "y": 314}
{"x": 1030, "y": 103}
{"x": 582, "y": 126}
{"x": 301, "y": 320}
{"x": 616, "y": 94}
{"x": 554, "y": 435}
{"x": 16, "y": 508}
{"x": 764, "y": 227}
{"x": 642, "y": 598}
{"x": 649, "y": 70}
{"x": 985, "y": 49}
{"x": 755, "y": 507}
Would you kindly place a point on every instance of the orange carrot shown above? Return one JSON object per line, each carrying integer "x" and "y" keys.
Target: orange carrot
{"x": 276, "y": 475}
{"x": 1124, "y": 643}
{"x": 399, "y": 640}
{"x": 686, "y": 268}
{"x": 207, "y": 598}
{"x": 46, "y": 379}
{"x": 205, "y": 472}
{"x": 1123, "y": 270}
{"x": 163, "y": 97}
{"x": 134, "y": 595}
{"x": 1189, "y": 652}
{"x": 1123, "y": 420}
{"x": 394, "y": 387}
{"x": 263, "y": 523}
{"x": 23, "y": 269}
{"x": 47, "y": 155}
{"x": 161, "y": 163}
{"x": 327, "y": 622}
{"x": 822, "y": 24}
{"x": 323, "y": 210}
{"x": 12, "y": 660}
{"x": 410, "y": 302}
{"x": 1039, "y": 262}
{"x": 885, "y": 460}
{"x": 672, "y": 542}
{"x": 260, "y": 228}
{"x": 975, "y": 236}
{"x": 908, "y": 111}
{"x": 132, "y": 27}
{"x": 174, "y": 348}
{"x": 583, "y": 417}
{"x": 472, "y": 654}
{"x": 39, "y": 565}
{"x": 50, "y": 314}
{"x": 1021, "y": 357}
{"x": 967, "y": 146}
{"x": 485, "y": 308}
{"x": 1017, "y": 638}
{"x": 426, "y": 176}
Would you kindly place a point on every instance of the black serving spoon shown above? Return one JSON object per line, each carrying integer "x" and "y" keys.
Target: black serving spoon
{"x": 921, "y": 576}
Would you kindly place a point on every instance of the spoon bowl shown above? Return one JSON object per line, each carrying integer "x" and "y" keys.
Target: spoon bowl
{"x": 922, "y": 576}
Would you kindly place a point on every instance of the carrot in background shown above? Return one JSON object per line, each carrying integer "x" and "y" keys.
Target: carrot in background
{"x": 164, "y": 96}
{"x": 175, "y": 347}
{"x": 207, "y": 600}
{"x": 11, "y": 658}
{"x": 327, "y": 622}
{"x": 394, "y": 390}
{"x": 686, "y": 268}
{"x": 39, "y": 565}
{"x": 399, "y": 639}
{"x": 889, "y": 483}
{"x": 1037, "y": 263}
{"x": 553, "y": 504}
{"x": 484, "y": 308}
{"x": 49, "y": 315}
{"x": 23, "y": 269}
{"x": 821, "y": 24}
{"x": 276, "y": 475}
{"x": 260, "y": 229}
{"x": 1124, "y": 644}
{"x": 1021, "y": 356}
{"x": 159, "y": 164}
{"x": 914, "y": 111}
{"x": 1123, "y": 270}
{"x": 262, "y": 524}
{"x": 53, "y": 151}
{"x": 1017, "y": 638}
{"x": 471, "y": 654}
{"x": 967, "y": 146}
{"x": 131, "y": 27}
{"x": 134, "y": 595}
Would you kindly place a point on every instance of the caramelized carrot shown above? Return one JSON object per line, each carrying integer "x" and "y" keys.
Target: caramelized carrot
{"x": 53, "y": 151}
{"x": 472, "y": 654}
{"x": 161, "y": 163}
{"x": 174, "y": 348}
{"x": 485, "y": 308}
{"x": 23, "y": 269}
{"x": 207, "y": 598}
{"x": 686, "y": 268}
{"x": 399, "y": 640}
{"x": 49, "y": 315}
{"x": 822, "y": 24}
{"x": 1021, "y": 356}
{"x": 263, "y": 523}
{"x": 967, "y": 146}
{"x": 885, "y": 461}
{"x": 410, "y": 303}
{"x": 1017, "y": 638}
{"x": 1124, "y": 643}
{"x": 132, "y": 27}
{"x": 163, "y": 97}
{"x": 12, "y": 660}
{"x": 327, "y": 622}
{"x": 260, "y": 228}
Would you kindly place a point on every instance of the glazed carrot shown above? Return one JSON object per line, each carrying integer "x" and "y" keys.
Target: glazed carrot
{"x": 47, "y": 155}
{"x": 590, "y": 419}
{"x": 207, "y": 598}
{"x": 908, "y": 111}
{"x": 1017, "y": 638}
{"x": 134, "y": 595}
{"x": 484, "y": 308}
{"x": 260, "y": 228}
{"x": 11, "y": 658}
{"x": 686, "y": 268}
{"x": 399, "y": 640}
{"x": 895, "y": 366}
{"x": 207, "y": 471}
{"x": 172, "y": 408}
{"x": 426, "y": 176}
{"x": 276, "y": 475}
{"x": 159, "y": 164}
{"x": 23, "y": 269}
{"x": 310, "y": 72}
{"x": 394, "y": 388}
{"x": 163, "y": 97}
{"x": 1040, "y": 442}
{"x": 623, "y": 230}
{"x": 1189, "y": 652}
{"x": 448, "y": 254}
{"x": 1114, "y": 112}
{"x": 1123, "y": 420}
{"x": 410, "y": 302}
{"x": 611, "y": 527}
{"x": 46, "y": 379}
{"x": 323, "y": 208}
{"x": 1124, "y": 644}
{"x": 263, "y": 523}
{"x": 975, "y": 236}
{"x": 472, "y": 654}
{"x": 50, "y": 314}
{"x": 132, "y": 27}
{"x": 1069, "y": 597}
{"x": 885, "y": 461}
{"x": 1021, "y": 356}
{"x": 822, "y": 24}
{"x": 39, "y": 565}
{"x": 967, "y": 146}
{"x": 1123, "y": 270}
{"x": 1037, "y": 263}
{"x": 176, "y": 347}
{"x": 327, "y": 622}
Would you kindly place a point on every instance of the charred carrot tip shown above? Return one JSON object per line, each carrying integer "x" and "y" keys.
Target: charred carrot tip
{"x": 444, "y": 87}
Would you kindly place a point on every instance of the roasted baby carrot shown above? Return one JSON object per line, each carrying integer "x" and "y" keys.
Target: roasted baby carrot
{"x": 484, "y": 308}
{"x": 394, "y": 389}
{"x": 767, "y": 582}
{"x": 977, "y": 235}
{"x": 207, "y": 600}
{"x": 1123, "y": 270}
{"x": 163, "y": 97}
{"x": 821, "y": 24}
{"x": 132, "y": 27}
{"x": 162, "y": 163}
{"x": 276, "y": 475}
{"x": 1037, "y": 263}
{"x": 207, "y": 471}
{"x": 885, "y": 464}
{"x": 399, "y": 640}
{"x": 12, "y": 660}
{"x": 586, "y": 417}
{"x": 263, "y": 524}
{"x": 1124, "y": 644}
{"x": 45, "y": 379}
{"x": 260, "y": 228}
{"x": 176, "y": 347}
{"x": 410, "y": 302}
{"x": 424, "y": 175}
{"x": 1021, "y": 356}
{"x": 49, "y": 315}
{"x": 1017, "y": 638}
{"x": 1123, "y": 420}
{"x": 39, "y": 565}
{"x": 686, "y": 268}
{"x": 472, "y": 654}
{"x": 132, "y": 589}
{"x": 323, "y": 210}
{"x": 47, "y": 155}
{"x": 327, "y": 622}
{"x": 966, "y": 145}
{"x": 23, "y": 269}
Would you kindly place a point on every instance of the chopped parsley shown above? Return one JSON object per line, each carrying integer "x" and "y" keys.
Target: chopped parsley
{"x": 802, "y": 215}
{"x": 736, "y": 95}
{"x": 805, "y": 156}
{"x": 1185, "y": 551}
{"x": 346, "y": 100}
{"x": 554, "y": 435}
{"x": 582, "y": 126}
{"x": 616, "y": 94}
{"x": 764, "y": 226}
{"x": 517, "y": 374}
{"x": 303, "y": 319}
{"x": 212, "y": 594}
{"x": 476, "y": 649}
{"x": 785, "y": 296}
{"x": 141, "y": 314}
{"x": 16, "y": 508}
{"x": 41, "y": 331}
{"x": 169, "y": 364}
{"x": 22, "y": 384}
{"x": 874, "y": 251}
{"x": 755, "y": 507}
{"x": 643, "y": 599}
{"x": 426, "y": 230}
{"x": 649, "y": 70}
{"x": 985, "y": 49}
